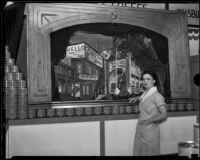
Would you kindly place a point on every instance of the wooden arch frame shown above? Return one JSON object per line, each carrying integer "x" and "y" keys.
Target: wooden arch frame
{"x": 44, "y": 18}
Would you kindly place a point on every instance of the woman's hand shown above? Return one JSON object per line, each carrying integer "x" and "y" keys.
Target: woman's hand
{"x": 156, "y": 119}
{"x": 100, "y": 96}
{"x": 117, "y": 91}
{"x": 144, "y": 122}
{"x": 133, "y": 99}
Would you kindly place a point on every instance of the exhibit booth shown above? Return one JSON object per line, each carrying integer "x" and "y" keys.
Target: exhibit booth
{"x": 70, "y": 54}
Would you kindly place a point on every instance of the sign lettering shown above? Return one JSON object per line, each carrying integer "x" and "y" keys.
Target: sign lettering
{"x": 94, "y": 57}
{"x": 88, "y": 77}
{"x": 76, "y": 51}
{"x": 190, "y": 9}
{"x": 137, "y": 5}
{"x": 117, "y": 64}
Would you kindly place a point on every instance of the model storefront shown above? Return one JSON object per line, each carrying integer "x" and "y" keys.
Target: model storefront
{"x": 87, "y": 66}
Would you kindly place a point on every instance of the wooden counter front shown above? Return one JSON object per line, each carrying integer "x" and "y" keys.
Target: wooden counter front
{"x": 102, "y": 135}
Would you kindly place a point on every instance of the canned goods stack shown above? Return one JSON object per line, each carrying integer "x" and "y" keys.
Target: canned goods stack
{"x": 190, "y": 147}
{"x": 196, "y": 135}
{"x": 16, "y": 91}
{"x": 22, "y": 103}
{"x": 11, "y": 102}
{"x": 187, "y": 149}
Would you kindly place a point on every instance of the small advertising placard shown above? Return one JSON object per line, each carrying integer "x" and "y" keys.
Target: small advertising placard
{"x": 94, "y": 57}
{"x": 76, "y": 90}
{"x": 88, "y": 77}
{"x": 117, "y": 64}
{"x": 66, "y": 60}
{"x": 82, "y": 50}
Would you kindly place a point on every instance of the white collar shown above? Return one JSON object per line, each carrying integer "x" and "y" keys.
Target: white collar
{"x": 147, "y": 93}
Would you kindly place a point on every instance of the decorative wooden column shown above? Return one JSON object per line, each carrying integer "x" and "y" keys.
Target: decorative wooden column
{"x": 42, "y": 19}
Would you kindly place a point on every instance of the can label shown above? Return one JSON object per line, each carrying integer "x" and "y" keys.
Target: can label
{"x": 18, "y": 76}
{"x": 7, "y": 69}
{"x": 22, "y": 98}
{"x": 69, "y": 111}
{"x": 10, "y": 61}
{"x": 189, "y": 106}
{"x": 88, "y": 110}
{"x": 11, "y": 113}
{"x": 115, "y": 109}
{"x": 172, "y": 107}
{"x": 41, "y": 113}
{"x": 8, "y": 55}
{"x": 22, "y": 114}
{"x": 186, "y": 151}
{"x": 31, "y": 113}
{"x": 11, "y": 99}
{"x": 136, "y": 109}
{"x": 10, "y": 83}
{"x": 22, "y": 91}
{"x": 122, "y": 109}
{"x": 106, "y": 110}
{"x": 196, "y": 151}
{"x": 98, "y": 110}
{"x": 14, "y": 68}
{"x": 60, "y": 112}
{"x": 11, "y": 91}
{"x": 79, "y": 111}
{"x": 11, "y": 103}
{"x": 167, "y": 107}
{"x": 181, "y": 106}
{"x": 129, "y": 109}
{"x": 21, "y": 83}
{"x": 9, "y": 76}
{"x": 50, "y": 112}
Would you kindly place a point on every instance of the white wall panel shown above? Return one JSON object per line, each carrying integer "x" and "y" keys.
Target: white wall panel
{"x": 61, "y": 139}
{"x": 177, "y": 129}
{"x": 119, "y": 137}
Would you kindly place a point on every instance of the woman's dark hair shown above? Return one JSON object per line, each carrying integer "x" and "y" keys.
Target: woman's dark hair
{"x": 155, "y": 77}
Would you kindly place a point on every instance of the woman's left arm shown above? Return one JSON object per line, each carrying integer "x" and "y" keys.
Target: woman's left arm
{"x": 159, "y": 118}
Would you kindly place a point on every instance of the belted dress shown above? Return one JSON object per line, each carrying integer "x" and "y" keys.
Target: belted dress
{"x": 147, "y": 137}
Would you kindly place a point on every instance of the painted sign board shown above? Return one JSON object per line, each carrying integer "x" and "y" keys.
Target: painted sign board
{"x": 76, "y": 51}
{"x": 191, "y": 9}
{"x": 137, "y": 5}
{"x": 88, "y": 77}
{"x": 193, "y": 35}
{"x": 66, "y": 60}
{"x": 117, "y": 64}
{"x": 76, "y": 90}
{"x": 94, "y": 57}
{"x": 83, "y": 50}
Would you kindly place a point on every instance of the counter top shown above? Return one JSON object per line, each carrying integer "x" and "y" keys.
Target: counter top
{"x": 71, "y": 119}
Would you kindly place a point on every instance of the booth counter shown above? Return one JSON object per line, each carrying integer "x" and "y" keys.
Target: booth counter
{"x": 106, "y": 129}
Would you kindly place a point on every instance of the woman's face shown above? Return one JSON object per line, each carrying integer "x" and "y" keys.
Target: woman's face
{"x": 148, "y": 81}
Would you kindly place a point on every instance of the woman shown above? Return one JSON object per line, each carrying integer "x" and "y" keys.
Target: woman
{"x": 152, "y": 112}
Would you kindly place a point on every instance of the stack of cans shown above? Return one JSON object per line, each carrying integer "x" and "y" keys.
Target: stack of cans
{"x": 16, "y": 90}
{"x": 196, "y": 134}
{"x": 189, "y": 148}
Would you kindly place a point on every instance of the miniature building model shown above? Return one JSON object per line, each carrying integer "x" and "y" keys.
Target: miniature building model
{"x": 86, "y": 65}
